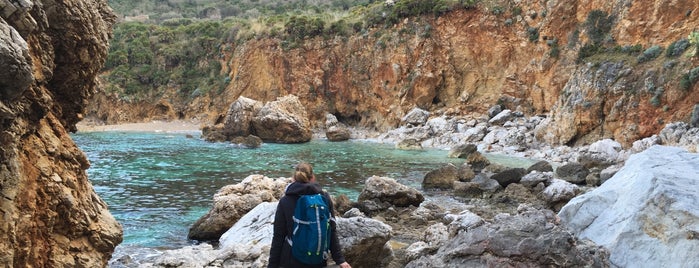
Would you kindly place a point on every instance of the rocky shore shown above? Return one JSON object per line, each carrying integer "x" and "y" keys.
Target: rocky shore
{"x": 477, "y": 214}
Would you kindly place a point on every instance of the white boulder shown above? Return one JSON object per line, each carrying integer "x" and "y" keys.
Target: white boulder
{"x": 647, "y": 213}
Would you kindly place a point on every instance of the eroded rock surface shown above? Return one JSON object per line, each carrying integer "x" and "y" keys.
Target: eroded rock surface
{"x": 50, "y": 53}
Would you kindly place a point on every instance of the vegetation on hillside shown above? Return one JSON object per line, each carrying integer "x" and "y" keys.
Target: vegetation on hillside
{"x": 180, "y": 45}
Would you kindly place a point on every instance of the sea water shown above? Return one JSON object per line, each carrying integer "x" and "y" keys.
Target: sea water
{"x": 158, "y": 184}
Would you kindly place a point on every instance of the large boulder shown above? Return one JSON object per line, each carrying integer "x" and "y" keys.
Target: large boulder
{"x": 335, "y": 130}
{"x": 283, "y": 121}
{"x": 238, "y": 121}
{"x": 532, "y": 238}
{"x": 233, "y": 201}
{"x": 647, "y": 213}
{"x": 602, "y": 153}
{"x": 381, "y": 193}
{"x": 247, "y": 243}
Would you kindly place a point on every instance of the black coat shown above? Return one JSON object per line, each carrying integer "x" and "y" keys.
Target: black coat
{"x": 280, "y": 253}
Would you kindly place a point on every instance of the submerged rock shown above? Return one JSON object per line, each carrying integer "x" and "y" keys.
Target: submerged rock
{"x": 442, "y": 178}
{"x": 646, "y": 214}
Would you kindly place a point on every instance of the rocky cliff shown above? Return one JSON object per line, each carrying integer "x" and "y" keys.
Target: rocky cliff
{"x": 577, "y": 62}
{"x": 50, "y": 54}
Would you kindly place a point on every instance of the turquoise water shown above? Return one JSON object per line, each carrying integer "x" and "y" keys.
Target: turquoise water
{"x": 159, "y": 184}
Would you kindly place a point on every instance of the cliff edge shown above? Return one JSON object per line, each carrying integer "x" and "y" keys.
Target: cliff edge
{"x": 50, "y": 54}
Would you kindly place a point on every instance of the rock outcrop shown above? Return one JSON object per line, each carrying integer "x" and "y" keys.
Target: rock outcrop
{"x": 233, "y": 201}
{"x": 50, "y": 54}
{"x": 647, "y": 213}
{"x": 284, "y": 120}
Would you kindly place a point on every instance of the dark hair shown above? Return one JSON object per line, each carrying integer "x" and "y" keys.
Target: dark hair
{"x": 303, "y": 173}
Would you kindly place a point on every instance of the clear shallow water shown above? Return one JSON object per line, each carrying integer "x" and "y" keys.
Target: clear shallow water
{"x": 159, "y": 184}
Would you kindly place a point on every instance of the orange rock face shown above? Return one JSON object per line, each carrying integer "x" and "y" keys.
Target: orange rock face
{"x": 52, "y": 216}
{"x": 469, "y": 60}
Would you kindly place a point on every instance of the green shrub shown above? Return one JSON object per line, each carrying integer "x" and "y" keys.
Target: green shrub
{"x": 650, "y": 54}
{"x": 497, "y": 10}
{"x": 677, "y": 48}
{"x": 533, "y": 34}
{"x": 689, "y": 79}
{"x": 555, "y": 50}
{"x": 587, "y": 51}
{"x": 516, "y": 11}
{"x": 694, "y": 40}
{"x": 630, "y": 50}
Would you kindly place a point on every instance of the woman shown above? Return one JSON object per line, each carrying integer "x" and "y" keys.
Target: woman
{"x": 280, "y": 253}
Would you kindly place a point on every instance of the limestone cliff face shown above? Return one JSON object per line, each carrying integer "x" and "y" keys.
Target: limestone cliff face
{"x": 468, "y": 60}
{"x": 49, "y": 55}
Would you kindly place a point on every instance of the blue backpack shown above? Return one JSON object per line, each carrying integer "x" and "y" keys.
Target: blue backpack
{"x": 310, "y": 241}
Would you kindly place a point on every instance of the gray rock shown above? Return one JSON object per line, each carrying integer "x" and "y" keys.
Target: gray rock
{"x": 416, "y": 117}
{"x": 533, "y": 179}
{"x": 475, "y": 134}
{"x": 508, "y": 176}
{"x": 495, "y": 110}
{"x": 572, "y": 172}
{"x": 541, "y": 166}
{"x": 364, "y": 241}
{"x": 608, "y": 173}
{"x": 602, "y": 153}
{"x": 381, "y": 193}
{"x": 560, "y": 191}
{"x": 501, "y": 118}
{"x": 283, "y": 121}
{"x": 488, "y": 185}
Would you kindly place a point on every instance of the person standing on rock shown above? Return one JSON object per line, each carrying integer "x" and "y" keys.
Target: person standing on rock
{"x": 281, "y": 251}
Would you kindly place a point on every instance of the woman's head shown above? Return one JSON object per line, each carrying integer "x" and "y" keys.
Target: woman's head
{"x": 304, "y": 173}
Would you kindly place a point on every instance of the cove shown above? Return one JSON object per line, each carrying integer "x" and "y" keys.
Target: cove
{"x": 157, "y": 184}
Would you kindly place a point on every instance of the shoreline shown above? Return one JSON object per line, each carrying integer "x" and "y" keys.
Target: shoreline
{"x": 152, "y": 126}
